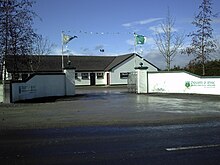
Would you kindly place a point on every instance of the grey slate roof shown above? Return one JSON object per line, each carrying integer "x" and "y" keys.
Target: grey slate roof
{"x": 53, "y": 63}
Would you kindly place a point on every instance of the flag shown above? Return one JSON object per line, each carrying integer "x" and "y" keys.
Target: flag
{"x": 67, "y": 38}
{"x": 139, "y": 39}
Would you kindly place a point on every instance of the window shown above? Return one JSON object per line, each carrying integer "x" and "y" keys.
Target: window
{"x": 124, "y": 75}
{"x": 100, "y": 75}
{"x": 85, "y": 76}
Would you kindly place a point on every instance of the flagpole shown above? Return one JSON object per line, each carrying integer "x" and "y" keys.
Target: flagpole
{"x": 135, "y": 42}
{"x": 62, "y": 50}
{"x": 134, "y": 50}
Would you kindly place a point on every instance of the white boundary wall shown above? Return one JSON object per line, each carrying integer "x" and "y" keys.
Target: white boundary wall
{"x": 44, "y": 85}
{"x": 182, "y": 82}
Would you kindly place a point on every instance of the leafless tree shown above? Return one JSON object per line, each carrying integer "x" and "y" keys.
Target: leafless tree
{"x": 16, "y": 33}
{"x": 168, "y": 41}
{"x": 42, "y": 46}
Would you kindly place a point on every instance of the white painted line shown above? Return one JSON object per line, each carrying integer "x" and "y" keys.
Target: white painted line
{"x": 192, "y": 147}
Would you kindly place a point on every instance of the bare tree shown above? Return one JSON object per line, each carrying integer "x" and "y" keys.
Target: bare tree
{"x": 168, "y": 41}
{"x": 16, "y": 32}
{"x": 203, "y": 44}
{"x": 42, "y": 46}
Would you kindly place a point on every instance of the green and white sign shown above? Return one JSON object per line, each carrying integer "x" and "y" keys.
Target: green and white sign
{"x": 206, "y": 84}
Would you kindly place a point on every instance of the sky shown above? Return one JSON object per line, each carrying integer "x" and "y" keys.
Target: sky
{"x": 110, "y": 25}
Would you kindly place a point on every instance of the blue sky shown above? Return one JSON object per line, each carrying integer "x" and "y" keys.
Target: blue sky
{"x": 110, "y": 24}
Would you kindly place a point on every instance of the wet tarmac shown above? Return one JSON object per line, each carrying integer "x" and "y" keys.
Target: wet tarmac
{"x": 111, "y": 126}
{"x": 109, "y": 106}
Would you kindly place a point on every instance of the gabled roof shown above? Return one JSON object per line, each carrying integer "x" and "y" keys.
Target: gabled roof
{"x": 53, "y": 63}
{"x": 90, "y": 63}
{"x": 117, "y": 61}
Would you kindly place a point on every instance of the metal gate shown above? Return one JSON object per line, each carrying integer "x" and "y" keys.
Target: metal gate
{"x": 132, "y": 82}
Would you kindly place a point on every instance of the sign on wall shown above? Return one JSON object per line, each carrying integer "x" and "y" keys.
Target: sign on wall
{"x": 204, "y": 83}
{"x": 182, "y": 82}
{"x": 27, "y": 89}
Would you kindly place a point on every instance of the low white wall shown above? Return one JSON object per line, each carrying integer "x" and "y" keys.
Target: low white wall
{"x": 1, "y": 93}
{"x": 182, "y": 82}
{"x": 42, "y": 85}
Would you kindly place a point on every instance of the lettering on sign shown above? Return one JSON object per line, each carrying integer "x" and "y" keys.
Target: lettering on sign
{"x": 29, "y": 89}
{"x": 206, "y": 84}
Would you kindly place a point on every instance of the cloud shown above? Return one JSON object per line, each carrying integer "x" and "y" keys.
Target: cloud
{"x": 150, "y": 42}
{"x": 85, "y": 49}
{"x": 141, "y": 22}
{"x": 98, "y": 47}
{"x": 56, "y": 51}
{"x": 158, "y": 29}
{"x": 157, "y": 59}
{"x": 216, "y": 20}
{"x": 130, "y": 42}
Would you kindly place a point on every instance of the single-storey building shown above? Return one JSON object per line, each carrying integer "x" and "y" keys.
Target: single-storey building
{"x": 89, "y": 70}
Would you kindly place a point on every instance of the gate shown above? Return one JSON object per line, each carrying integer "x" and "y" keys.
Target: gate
{"x": 132, "y": 82}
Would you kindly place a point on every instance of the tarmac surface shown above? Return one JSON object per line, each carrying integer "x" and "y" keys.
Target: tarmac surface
{"x": 108, "y": 125}
{"x": 182, "y": 144}
{"x": 109, "y": 106}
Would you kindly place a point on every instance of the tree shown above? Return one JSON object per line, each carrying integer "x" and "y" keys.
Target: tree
{"x": 202, "y": 44}
{"x": 213, "y": 68}
{"x": 168, "y": 41}
{"x": 42, "y": 46}
{"x": 16, "y": 33}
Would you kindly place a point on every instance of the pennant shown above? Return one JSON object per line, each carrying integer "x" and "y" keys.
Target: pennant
{"x": 139, "y": 39}
{"x": 67, "y": 38}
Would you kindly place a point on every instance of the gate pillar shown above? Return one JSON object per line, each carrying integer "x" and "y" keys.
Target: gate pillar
{"x": 142, "y": 86}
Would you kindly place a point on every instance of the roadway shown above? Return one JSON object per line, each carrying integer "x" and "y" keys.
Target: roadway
{"x": 182, "y": 144}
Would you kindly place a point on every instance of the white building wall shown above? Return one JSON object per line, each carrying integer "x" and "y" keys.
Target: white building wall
{"x": 128, "y": 66}
{"x": 98, "y": 81}
{"x": 101, "y": 81}
{"x": 125, "y": 67}
{"x": 80, "y": 81}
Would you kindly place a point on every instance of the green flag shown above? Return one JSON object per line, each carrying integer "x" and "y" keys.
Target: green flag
{"x": 139, "y": 39}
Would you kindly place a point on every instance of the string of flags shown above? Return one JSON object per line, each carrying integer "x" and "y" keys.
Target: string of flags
{"x": 138, "y": 39}
{"x": 101, "y": 33}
